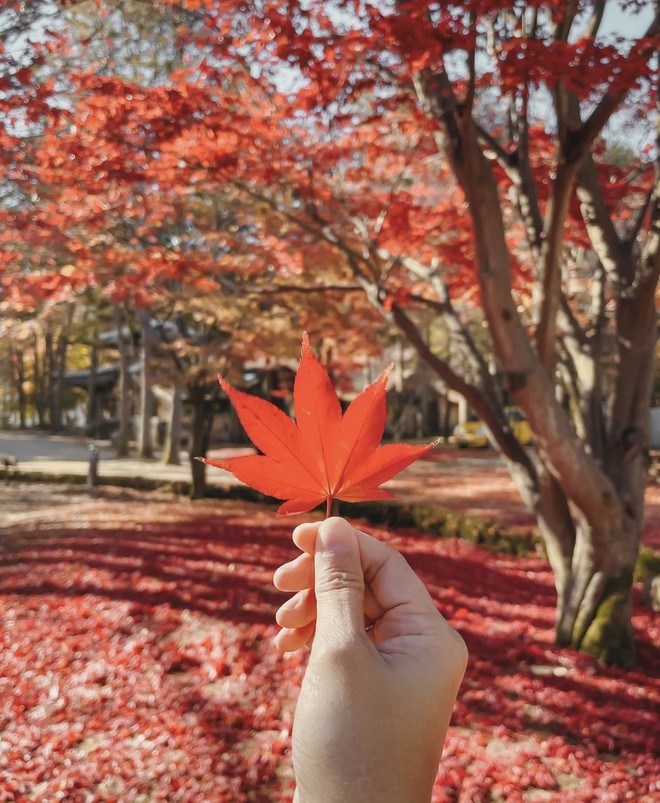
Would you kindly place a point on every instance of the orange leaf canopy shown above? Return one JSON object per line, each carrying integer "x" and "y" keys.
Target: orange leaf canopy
{"x": 323, "y": 455}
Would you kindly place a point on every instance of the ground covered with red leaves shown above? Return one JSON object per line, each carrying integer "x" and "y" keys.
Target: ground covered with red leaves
{"x": 136, "y": 662}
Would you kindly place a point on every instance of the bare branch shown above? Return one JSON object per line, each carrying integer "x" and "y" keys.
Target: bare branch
{"x": 649, "y": 273}
{"x": 477, "y": 398}
{"x": 472, "y": 72}
{"x": 568, "y": 325}
{"x": 563, "y": 29}
{"x": 317, "y": 226}
{"x": 504, "y": 158}
{"x": 382, "y": 216}
{"x": 390, "y": 75}
{"x": 436, "y": 93}
{"x": 609, "y": 103}
{"x": 596, "y": 18}
{"x": 314, "y": 288}
{"x": 561, "y": 94}
{"x": 641, "y": 214}
{"x": 551, "y": 257}
{"x": 605, "y": 241}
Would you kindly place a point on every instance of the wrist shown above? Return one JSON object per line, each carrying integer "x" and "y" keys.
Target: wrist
{"x": 367, "y": 789}
{"x": 371, "y": 797}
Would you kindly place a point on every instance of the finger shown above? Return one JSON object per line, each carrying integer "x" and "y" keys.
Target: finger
{"x": 290, "y": 640}
{"x": 375, "y": 556}
{"x": 295, "y": 575}
{"x": 304, "y": 536}
{"x": 372, "y": 610}
{"x": 338, "y": 585}
{"x": 402, "y": 610}
{"x": 391, "y": 581}
{"x": 298, "y": 611}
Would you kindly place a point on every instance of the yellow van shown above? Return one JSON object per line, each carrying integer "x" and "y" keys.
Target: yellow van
{"x": 475, "y": 433}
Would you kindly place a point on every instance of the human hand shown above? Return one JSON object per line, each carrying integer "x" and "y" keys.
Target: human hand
{"x": 383, "y": 673}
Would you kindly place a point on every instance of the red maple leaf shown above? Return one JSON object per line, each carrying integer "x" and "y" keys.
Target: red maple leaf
{"x": 323, "y": 455}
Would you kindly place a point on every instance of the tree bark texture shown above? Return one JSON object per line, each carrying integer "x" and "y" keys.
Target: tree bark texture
{"x": 587, "y": 492}
{"x": 40, "y": 394}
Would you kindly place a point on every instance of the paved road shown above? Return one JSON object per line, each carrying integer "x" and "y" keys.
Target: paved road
{"x": 29, "y": 446}
{"x": 64, "y": 454}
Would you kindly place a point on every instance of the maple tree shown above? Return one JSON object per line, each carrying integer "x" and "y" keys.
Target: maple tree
{"x": 430, "y": 156}
{"x": 398, "y": 90}
{"x": 324, "y": 455}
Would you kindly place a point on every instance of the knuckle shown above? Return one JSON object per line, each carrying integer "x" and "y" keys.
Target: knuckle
{"x": 453, "y": 652}
{"x": 461, "y": 650}
{"x": 335, "y": 579}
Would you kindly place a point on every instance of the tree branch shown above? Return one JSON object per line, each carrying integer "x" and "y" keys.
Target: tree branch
{"x": 596, "y": 18}
{"x": 504, "y": 158}
{"x": 478, "y": 399}
{"x": 641, "y": 214}
{"x": 380, "y": 220}
{"x": 562, "y": 31}
{"x": 614, "y": 258}
{"x": 610, "y": 101}
{"x": 551, "y": 259}
{"x": 568, "y": 324}
{"x": 316, "y": 288}
{"x": 468, "y": 106}
{"x": 436, "y": 94}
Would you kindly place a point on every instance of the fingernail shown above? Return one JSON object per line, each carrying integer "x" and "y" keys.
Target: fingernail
{"x": 335, "y": 536}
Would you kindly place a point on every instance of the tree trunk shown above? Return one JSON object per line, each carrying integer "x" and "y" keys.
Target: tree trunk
{"x": 124, "y": 407}
{"x": 145, "y": 445}
{"x": 593, "y": 559}
{"x": 40, "y": 393}
{"x": 49, "y": 373}
{"x": 202, "y": 420}
{"x": 19, "y": 381}
{"x": 57, "y": 394}
{"x": 594, "y": 613}
{"x": 172, "y": 448}
{"x": 92, "y": 400}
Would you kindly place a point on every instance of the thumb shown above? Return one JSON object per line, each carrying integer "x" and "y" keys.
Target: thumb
{"x": 338, "y": 584}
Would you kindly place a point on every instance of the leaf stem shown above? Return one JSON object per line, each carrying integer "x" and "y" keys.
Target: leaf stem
{"x": 328, "y": 509}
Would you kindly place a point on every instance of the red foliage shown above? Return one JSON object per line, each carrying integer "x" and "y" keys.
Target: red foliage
{"x": 136, "y": 660}
{"x": 118, "y": 160}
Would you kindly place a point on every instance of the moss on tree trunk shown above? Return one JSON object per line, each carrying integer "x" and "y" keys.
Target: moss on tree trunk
{"x": 609, "y": 636}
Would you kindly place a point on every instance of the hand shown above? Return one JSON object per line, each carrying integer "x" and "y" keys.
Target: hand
{"x": 383, "y": 672}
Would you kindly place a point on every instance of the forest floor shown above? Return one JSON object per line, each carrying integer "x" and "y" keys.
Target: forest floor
{"x": 137, "y": 664}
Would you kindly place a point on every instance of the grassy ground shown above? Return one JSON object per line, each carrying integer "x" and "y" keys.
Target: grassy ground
{"x": 136, "y": 661}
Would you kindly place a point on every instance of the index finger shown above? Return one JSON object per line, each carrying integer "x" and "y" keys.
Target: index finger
{"x": 391, "y": 579}
{"x": 304, "y": 536}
